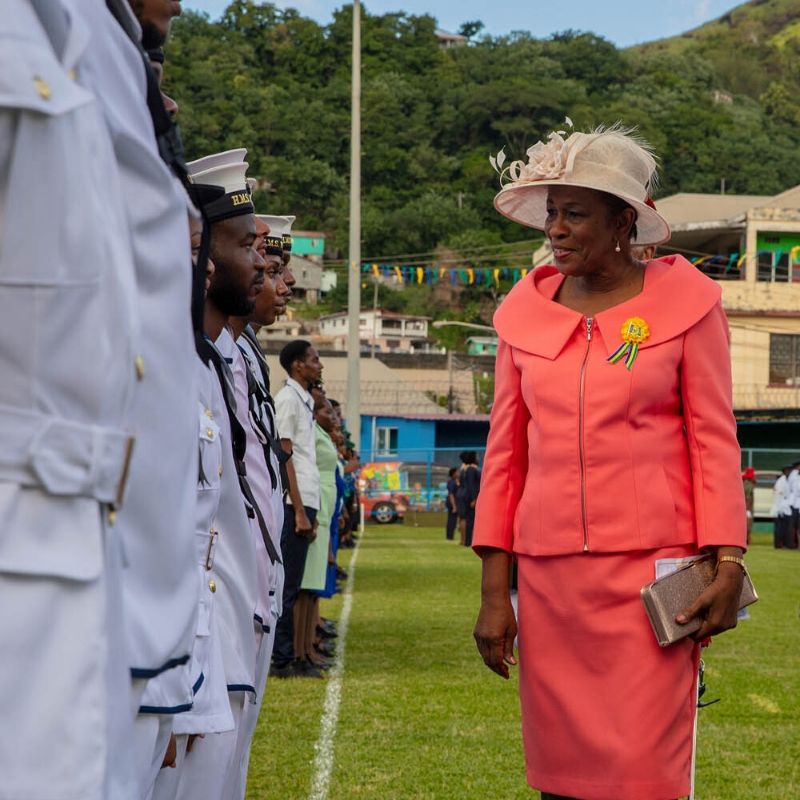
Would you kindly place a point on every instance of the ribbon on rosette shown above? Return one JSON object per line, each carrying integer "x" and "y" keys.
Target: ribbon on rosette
{"x": 634, "y": 331}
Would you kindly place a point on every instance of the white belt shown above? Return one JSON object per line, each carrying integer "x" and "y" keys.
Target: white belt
{"x": 64, "y": 457}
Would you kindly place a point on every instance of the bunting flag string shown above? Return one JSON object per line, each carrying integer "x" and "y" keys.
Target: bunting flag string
{"x": 499, "y": 276}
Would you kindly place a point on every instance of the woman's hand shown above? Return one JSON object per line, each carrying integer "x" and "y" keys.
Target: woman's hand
{"x": 718, "y": 606}
{"x": 494, "y": 634}
{"x": 496, "y": 627}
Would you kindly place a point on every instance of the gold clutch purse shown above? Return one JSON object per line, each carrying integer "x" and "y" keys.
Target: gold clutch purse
{"x": 666, "y": 597}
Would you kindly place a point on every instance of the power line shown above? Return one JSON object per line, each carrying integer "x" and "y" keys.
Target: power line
{"x": 402, "y": 256}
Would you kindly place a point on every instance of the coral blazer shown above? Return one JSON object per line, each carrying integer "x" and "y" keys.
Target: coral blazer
{"x": 584, "y": 455}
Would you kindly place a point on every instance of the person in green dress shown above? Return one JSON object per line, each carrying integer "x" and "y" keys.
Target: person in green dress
{"x": 319, "y": 551}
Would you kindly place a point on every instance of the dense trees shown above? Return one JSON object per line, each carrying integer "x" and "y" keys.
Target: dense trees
{"x": 718, "y": 104}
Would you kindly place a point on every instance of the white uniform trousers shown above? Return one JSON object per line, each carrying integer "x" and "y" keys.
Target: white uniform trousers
{"x": 151, "y": 734}
{"x": 53, "y": 686}
{"x": 237, "y": 784}
{"x": 207, "y": 768}
{"x": 166, "y": 787}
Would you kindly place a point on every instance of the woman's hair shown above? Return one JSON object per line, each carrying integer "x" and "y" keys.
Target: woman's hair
{"x": 452, "y": 471}
{"x": 468, "y": 457}
{"x": 616, "y": 205}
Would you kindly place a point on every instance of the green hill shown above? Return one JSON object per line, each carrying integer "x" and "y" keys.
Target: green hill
{"x": 749, "y": 47}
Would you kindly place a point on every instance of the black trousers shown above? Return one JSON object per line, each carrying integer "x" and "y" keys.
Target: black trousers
{"x": 470, "y": 517}
{"x": 783, "y": 530}
{"x": 294, "y": 550}
{"x": 452, "y": 521}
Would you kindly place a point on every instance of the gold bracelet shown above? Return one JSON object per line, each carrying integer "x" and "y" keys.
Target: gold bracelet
{"x": 733, "y": 559}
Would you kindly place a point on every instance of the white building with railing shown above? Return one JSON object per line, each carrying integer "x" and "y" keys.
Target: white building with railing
{"x": 381, "y": 331}
{"x": 751, "y": 244}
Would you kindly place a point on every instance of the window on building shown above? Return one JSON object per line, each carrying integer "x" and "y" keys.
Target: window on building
{"x": 784, "y": 359}
{"x": 773, "y": 267}
{"x": 386, "y": 441}
{"x": 391, "y": 324}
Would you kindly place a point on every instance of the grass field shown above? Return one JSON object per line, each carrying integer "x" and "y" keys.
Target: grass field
{"x": 421, "y": 717}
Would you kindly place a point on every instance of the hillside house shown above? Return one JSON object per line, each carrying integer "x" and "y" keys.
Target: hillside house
{"x": 381, "y": 331}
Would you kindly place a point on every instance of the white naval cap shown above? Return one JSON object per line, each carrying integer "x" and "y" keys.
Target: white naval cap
{"x": 230, "y": 177}
{"x": 216, "y": 160}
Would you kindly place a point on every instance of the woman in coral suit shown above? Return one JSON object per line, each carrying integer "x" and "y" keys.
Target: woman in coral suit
{"x": 612, "y": 447}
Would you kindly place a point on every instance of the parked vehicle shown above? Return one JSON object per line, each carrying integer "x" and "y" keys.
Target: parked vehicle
{"x": 763, "y": 494}
{"x": 385, "y": 507}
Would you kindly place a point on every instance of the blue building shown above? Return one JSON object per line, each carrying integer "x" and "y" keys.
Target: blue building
{"x": 428, "y": 438}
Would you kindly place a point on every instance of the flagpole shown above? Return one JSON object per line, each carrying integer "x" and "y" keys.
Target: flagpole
{"x": 354, "y": 255}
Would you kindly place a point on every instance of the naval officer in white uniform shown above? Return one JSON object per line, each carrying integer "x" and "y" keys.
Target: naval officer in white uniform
{"x": 68, "y": 326}
{"x": 157, "y": 522}
{"x": 236, "y": 281}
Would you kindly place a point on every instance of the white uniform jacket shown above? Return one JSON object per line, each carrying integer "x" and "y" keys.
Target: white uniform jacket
{"x": 157, "y": 520}
{"x": 266, "y": 416}
{"x": 67, "y": 315}
{"x": 782, "y": 505}
{"x": 259, "y": 479}
{"x": 235, "y": 565}
{"x": 794, "y": 488}
{"x": 206, "y": 708}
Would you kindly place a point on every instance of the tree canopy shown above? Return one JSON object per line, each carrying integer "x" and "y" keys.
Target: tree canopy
{"x": 716, "y": 104}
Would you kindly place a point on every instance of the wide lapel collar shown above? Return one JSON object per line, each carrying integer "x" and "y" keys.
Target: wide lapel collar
{"x": 675, "y": 296}
{"x": 528, "y": 319}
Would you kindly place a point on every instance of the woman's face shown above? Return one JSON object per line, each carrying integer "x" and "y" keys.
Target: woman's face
{"x": 323, "y": 412}
{"x": 581, "y": 229}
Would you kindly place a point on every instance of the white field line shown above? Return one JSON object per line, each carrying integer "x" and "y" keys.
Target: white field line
{"x": 324, "y": 747}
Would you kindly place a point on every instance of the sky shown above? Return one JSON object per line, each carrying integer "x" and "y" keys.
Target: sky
{"x": 624, "y": 22}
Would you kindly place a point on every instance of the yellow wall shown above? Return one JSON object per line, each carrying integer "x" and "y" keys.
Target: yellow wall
{"x": 750, "y": 363}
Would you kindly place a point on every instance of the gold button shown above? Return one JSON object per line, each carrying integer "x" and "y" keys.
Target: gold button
{"x": 212, "y": 584}
{"x": 71, "y": 74}
{"x": 42, "y": 87}
{"x": 220, "y": 470}
{"x": 138, "y": 363}
{"x": 210, "y": 433}
{"x": 112, "y": 516}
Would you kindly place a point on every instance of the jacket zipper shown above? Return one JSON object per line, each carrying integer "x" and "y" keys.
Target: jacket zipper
{"x": 589, "y": 325}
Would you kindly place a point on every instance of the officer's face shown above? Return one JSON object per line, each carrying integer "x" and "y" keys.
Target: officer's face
{"x": 196, "y": 235}
{"x": 271, "y": 300}
{"x": 170, "y": 105}
{"x": 239, "y": 273}
{"x": 155, "y": 17}
{"x": 288, "y": 276}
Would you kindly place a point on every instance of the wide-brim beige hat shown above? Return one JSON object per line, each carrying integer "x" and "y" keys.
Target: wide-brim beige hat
{"x": 609, "y": 160}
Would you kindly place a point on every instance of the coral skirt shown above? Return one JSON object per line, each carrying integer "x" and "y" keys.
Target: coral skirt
{"x": 607, "y": 714}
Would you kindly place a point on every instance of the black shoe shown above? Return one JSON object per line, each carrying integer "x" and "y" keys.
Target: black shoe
{"x": 325, "y": 649}
{"x": 325, "y": 633}
{"x": 302, "y": 668}
{"x": 341, "y": 573}
{"x": 282, "y": 671}
{"x": 328, "y": 625}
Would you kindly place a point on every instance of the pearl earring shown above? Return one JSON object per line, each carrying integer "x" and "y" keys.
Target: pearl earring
{"x": 617, "y": 249}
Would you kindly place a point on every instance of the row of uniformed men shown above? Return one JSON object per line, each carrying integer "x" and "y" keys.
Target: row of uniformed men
{"x": 140, "y": 484}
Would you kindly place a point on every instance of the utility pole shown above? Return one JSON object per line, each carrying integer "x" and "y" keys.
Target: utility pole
{"x": 450, "y": 398}
{"x": 354, "y": 272}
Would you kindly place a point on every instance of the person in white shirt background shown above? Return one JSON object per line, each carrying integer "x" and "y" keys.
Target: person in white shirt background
{"x": 295, "y": 418}
{"x": 794, "y": 500}
{"x": 782, "y": 508}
